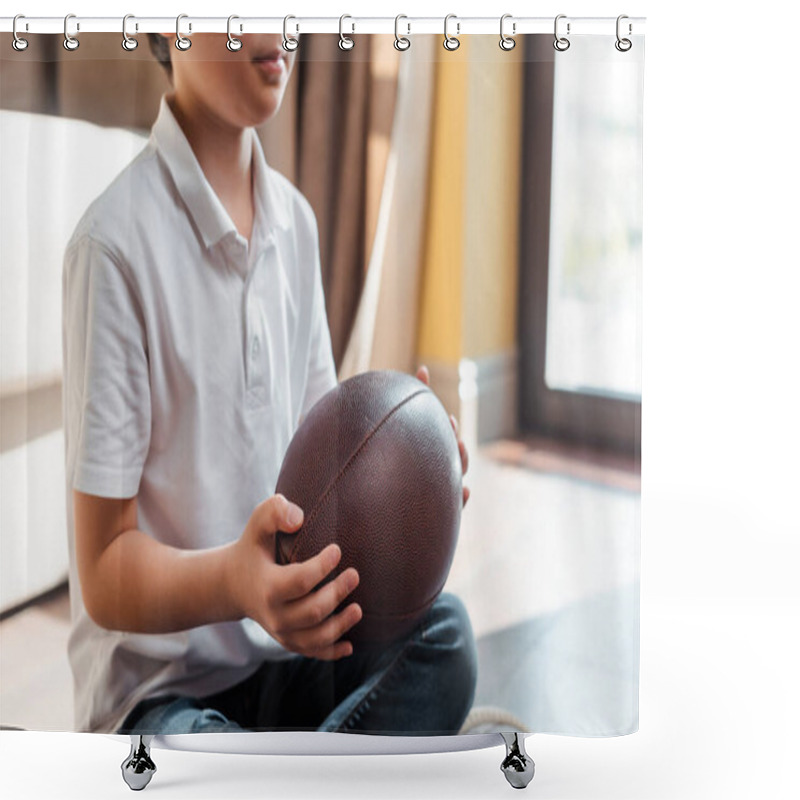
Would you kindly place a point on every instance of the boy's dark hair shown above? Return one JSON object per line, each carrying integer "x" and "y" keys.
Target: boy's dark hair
{"x": 159, "y": 46}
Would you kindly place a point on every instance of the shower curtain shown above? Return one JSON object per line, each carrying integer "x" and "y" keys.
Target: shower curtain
{"x": 474, "y": 211}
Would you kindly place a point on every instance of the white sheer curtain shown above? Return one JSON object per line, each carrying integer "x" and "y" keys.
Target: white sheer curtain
{"x": 392, "y": 284}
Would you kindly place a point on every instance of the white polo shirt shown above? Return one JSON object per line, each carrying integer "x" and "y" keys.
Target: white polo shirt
{"x": 189, "y": 358}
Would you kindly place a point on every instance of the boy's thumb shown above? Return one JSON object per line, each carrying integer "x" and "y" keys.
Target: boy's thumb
{"x": 287, "y": 513}
{"x": 278, "y": 514}
{"x": 294, "y": 515}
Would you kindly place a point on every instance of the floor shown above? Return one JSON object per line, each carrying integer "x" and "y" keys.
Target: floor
{"x": 35, "y": 678}
{"x": 547, "y": 565}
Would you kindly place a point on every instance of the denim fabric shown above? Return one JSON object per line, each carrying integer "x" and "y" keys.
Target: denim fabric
{"x": 422, "y": 685}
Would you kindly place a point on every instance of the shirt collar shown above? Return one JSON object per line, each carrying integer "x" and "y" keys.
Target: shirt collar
{"x": 208, "y": 213}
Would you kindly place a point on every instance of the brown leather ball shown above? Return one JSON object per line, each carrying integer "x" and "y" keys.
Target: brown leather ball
{"x": 375, "y": 467}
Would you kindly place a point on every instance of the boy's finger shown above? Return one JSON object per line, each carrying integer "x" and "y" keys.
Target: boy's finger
{"x": 297, "y": 580}
{"x": 313, "y": 609}
{"x": 278, "y": 514}
{"x": 323, "y": 636}
{"x": 462, "y": 449}
{"x": 333, "y": 653}
{"x": 423, "y": 375}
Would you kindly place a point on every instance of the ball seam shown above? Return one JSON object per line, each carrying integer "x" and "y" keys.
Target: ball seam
{"x": 329, "y": 488}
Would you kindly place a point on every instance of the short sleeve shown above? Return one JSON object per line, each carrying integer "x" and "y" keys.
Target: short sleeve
{"x": 106, "y": 377}
{"x": 321, "y": 374}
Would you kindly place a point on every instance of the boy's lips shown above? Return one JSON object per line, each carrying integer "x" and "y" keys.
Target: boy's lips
{"x": 272, "y": 62}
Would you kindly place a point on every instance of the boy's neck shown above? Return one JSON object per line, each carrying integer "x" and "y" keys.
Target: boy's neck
{"x": 224, "y": 153}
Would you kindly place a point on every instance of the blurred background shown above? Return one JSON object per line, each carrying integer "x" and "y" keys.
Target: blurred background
{"x": 479, "y": 212}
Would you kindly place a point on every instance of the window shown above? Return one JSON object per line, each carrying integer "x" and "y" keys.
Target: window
{"x": 580, "y": 268}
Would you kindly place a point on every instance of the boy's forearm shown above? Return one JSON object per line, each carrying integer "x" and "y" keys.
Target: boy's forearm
{"x": 144, "y": 586}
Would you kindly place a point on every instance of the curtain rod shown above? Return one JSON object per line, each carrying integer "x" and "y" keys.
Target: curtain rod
{"x": 407, "y": 26}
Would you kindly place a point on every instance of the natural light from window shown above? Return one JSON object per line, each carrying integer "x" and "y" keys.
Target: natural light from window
{"x": 594, "y": 292}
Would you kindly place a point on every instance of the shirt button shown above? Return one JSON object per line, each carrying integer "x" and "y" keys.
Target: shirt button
{"x": 254, "y": 348}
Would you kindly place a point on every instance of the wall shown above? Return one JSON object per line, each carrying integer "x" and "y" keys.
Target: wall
{"x": 467, "y": 329}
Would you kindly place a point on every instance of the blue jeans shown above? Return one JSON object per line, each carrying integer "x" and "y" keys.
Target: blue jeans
{"x": 422, "y": 685}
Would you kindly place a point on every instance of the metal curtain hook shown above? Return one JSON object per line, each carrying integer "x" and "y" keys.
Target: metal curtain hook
{"x": 70, "y": 42}
{"x": 345, "y": 42}
{"x": 233, "y": 44}
{"x": 181, "y": 42}
{"x": 506, "y": 42}
{"x": 560, "y": 43}
{"x": 451, "y": 42}
{"x": 128, "y": 43}
{"x": 18, "y": 43}
{"x": 290, "y": 43}
{"x": 623, "y": 45}
{"x": 401, "y": 42}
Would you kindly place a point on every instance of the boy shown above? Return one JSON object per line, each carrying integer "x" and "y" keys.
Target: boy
{"x": 195, "y": 339}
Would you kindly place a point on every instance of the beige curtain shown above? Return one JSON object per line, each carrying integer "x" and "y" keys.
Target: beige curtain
{"x": 336, "y": 94}
{"x": 384, "y": 334}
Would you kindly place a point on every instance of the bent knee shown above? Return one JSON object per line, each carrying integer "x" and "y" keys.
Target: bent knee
{"x": 449, "y": 628}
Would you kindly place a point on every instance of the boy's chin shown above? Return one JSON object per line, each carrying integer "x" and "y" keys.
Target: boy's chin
{"x": 265, "y": 112}
{"x": 260, "y": 107}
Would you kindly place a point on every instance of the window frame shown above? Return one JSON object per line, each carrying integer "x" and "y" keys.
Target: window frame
{"x": 604, "y": 423}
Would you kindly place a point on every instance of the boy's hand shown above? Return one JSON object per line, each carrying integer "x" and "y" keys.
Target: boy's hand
{"x": 424, "y": 376}
{"x": 279, "y": 597}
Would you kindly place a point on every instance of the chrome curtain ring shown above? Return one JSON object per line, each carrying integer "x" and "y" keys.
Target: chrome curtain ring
{"x": 560, "y": 43}
{"x": 233, "y": 44}
{"x": 70, "y": 42}
{"x": 128, "y": 43}
{"x": 401, "y": 42}
{"x": 290, "y": 43}
{"x": 18, "y": 43}
{"x": 623, "y": 45}
{"x": 451, "y": 42}
{"x": 506, "y": 42}
{"x": 345, "y": 42}
{"x": 181, "y": 42}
